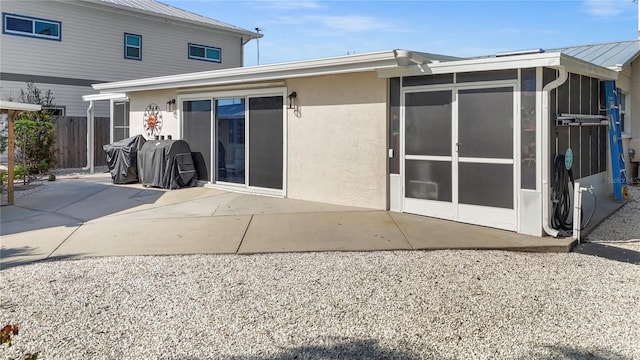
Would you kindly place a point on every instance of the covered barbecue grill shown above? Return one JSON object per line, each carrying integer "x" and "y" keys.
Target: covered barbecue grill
{"x": 167, "y": 164}
{"x": 122, "y": 159}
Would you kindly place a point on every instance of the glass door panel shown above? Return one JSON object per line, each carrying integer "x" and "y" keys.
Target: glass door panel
{"x": 428, "y": 123}
{"x": 485, "y": 147}
{"x": 196, "y": 129}
{"x": 428, "y": 153}
{"x": 265, "y": 142}
{"x": 230, "y": 125}
{"x": 485, "y": 123}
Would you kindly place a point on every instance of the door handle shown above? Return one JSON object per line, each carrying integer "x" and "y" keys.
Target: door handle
{"x": 457, "y": 147}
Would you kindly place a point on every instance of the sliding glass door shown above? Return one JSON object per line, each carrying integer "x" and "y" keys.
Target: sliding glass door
{"x": 230, "y": 138}
{"x": 196, "y": 131}
{"x": 241, "y": 139}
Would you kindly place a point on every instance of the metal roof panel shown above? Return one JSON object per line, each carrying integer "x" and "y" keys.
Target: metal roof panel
{"x": 155, "y": 7}
{"x": 606, "y": 54}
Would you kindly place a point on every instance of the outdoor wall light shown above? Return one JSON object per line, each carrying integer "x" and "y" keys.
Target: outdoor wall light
{"x": 171, "y": 105}
{"x": 292, "y": 100}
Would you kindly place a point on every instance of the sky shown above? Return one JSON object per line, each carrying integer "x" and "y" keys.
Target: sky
{"x": 306, "y": 29}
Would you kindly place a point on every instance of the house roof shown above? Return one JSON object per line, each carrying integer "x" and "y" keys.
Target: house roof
{"x": 389, "y": 63}
{"x": 613, "y": 55}
{"x": 159, "y": 9}
{"x": 278, "y": 71}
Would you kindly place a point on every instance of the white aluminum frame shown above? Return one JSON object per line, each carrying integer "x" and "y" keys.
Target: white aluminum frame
{"x": 481, "y": 215}
{"x": 245, "y": 94}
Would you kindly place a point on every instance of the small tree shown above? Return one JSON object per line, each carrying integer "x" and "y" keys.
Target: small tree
{"x": 35, "y": 131}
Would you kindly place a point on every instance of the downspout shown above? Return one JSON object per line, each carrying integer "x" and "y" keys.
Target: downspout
{"x": 546, "y": 225}
{"x": 89, "y": 138}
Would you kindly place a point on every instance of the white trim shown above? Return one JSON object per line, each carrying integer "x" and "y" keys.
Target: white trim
{"x": 553, "y": 60}
{"x": 454, "y": 210}
{"x": 247, "y": 94}
{"x": 280, "y": 71}
{"x": 104, "y": 96}
{"x": 472, "y": 160}
{"x": 18, "y": 106}
{"x": 428, "y": 157}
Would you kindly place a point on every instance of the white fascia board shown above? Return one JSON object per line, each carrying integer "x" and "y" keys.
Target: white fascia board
{"x": 552, "y": 60}
{"x": 577, "y": 66}
{"x": 280, "y": 71}
{"x": 481, "y": 64}
{"x": 18, "y": 106}
{"x": 104, "y": 96}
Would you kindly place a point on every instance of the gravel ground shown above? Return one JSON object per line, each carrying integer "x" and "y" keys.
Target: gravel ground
{"x": 404, "y": 305}
{"x": 622, "y": 228}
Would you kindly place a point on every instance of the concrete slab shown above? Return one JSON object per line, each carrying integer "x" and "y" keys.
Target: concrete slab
{"x": 242, "y": 204}
{"x": 429, "y": 233}
{"x": 170, "y": 204}
{"x": 204, "y": 235}
{"x": 59, "y": 194}
{"x": 29, "y": 246}
{"x": 330, "y": 231}
{"x": 16, "y": 220}
{"x": 110, "y": 200}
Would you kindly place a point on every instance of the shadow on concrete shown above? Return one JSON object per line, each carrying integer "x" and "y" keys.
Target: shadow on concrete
{"x": 26, "y": 255}
{"x": 70, "y": 203}
{"x": 608, "y": 252}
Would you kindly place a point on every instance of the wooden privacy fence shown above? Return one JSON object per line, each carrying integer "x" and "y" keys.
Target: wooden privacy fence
{"x": 71, "y": 144}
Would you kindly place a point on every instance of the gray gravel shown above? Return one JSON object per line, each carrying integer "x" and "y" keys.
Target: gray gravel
{"x": 410, "y": 305}
{"x": 623, "y": 227}
{"x": 404, "y": 305}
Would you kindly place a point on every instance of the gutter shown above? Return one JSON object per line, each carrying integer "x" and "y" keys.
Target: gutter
{"x": 546, "y": 224}
{"x": 89, "y": 137}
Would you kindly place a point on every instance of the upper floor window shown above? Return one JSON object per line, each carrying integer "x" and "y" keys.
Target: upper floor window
{"x": 624, "y": 110}
{"x": 32, "y": 27}
{"x": 132, "y": 46}
{"x": 203, "y": 52}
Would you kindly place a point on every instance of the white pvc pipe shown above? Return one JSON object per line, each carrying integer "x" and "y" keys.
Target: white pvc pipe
{"x": 89, "y": 137}
{"x": 546, "y": 201}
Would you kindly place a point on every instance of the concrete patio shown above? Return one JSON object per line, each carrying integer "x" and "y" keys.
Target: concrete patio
{"x": 88, "y": 216}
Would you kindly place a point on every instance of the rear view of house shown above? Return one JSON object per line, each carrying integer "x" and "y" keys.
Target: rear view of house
{"x": 468, "y": 140}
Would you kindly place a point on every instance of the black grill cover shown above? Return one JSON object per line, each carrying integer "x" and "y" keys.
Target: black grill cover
{"x": 167, "y": 164}
{"x": 122, "y": 159}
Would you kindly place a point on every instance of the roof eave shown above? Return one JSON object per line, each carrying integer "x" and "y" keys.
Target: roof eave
{"x": 553, "y": 60}
{"x": 280, "y": 71}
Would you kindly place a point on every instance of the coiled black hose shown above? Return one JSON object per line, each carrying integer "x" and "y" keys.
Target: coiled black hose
{"x": 561, "y": 200}
{"x": 560, "y": 197}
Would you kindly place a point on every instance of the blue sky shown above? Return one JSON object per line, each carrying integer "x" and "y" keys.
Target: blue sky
{"x": 304, "y": 29}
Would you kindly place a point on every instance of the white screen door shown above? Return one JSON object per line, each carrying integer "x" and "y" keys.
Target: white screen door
{"x": 459, "y": 154}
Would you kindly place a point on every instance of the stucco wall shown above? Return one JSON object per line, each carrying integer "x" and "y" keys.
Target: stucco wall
{"x": 337, "y": 140}
{"x": 139, "y": 101}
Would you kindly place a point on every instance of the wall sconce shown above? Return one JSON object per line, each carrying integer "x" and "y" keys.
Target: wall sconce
{"x": 171, "y": 105}
{"x": 292, "y": 100}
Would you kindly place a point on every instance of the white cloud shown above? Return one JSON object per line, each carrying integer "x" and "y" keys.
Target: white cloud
{"x": 607, "y": 8}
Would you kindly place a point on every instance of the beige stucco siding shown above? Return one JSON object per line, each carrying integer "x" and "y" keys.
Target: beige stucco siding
{"x": 337, "y": 140}
{"x": 138, "y": 102}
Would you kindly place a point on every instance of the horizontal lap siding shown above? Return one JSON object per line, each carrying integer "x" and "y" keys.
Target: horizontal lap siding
{"x": 92, "y": 45}
{"x": 64, "y": 95}
{"x": 92, "y": 49}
